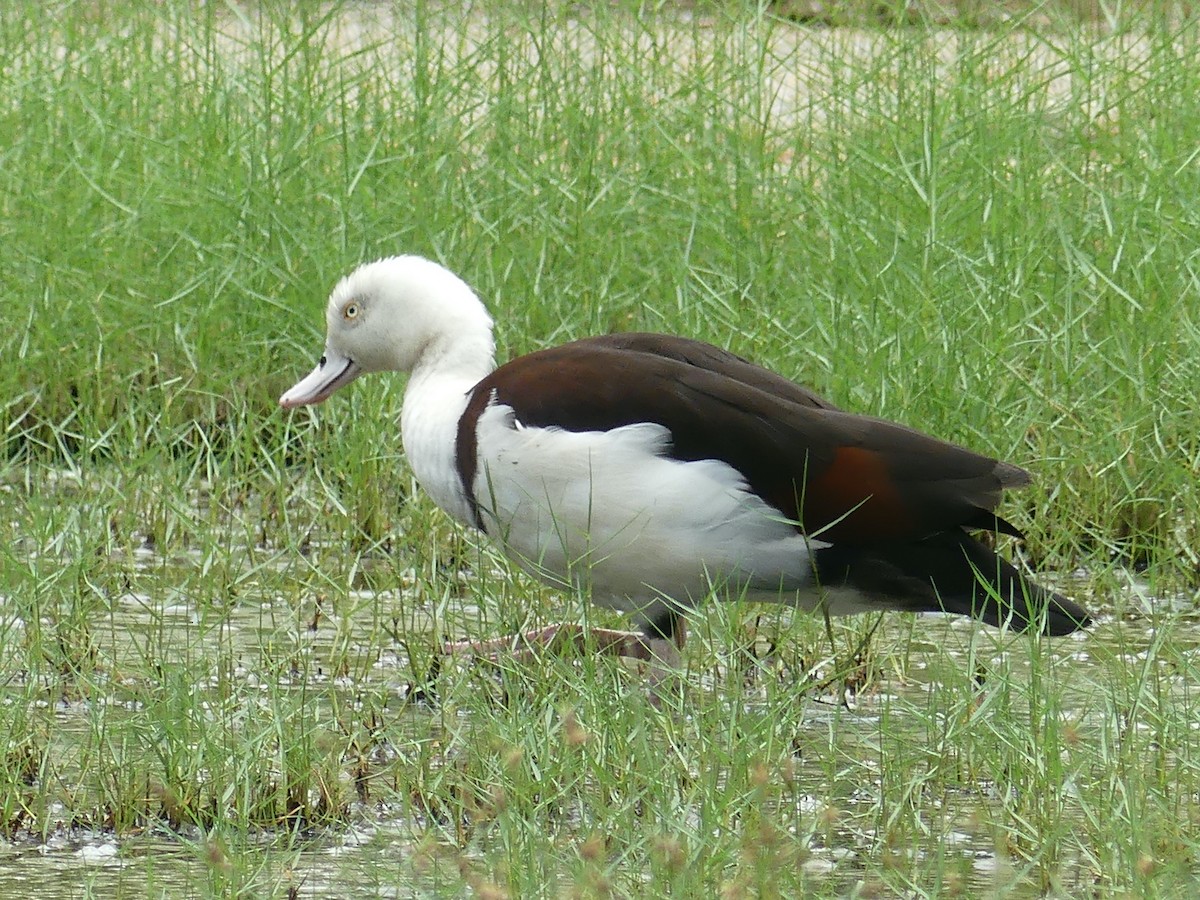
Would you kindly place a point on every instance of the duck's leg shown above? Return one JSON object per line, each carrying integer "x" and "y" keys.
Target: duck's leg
{"x": 664, "y": 638}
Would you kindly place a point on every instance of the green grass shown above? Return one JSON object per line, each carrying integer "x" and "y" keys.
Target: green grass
{"x": 212, "y": 612}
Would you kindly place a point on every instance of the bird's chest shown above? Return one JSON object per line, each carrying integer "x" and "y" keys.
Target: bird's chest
{"x": 428, "y": 425}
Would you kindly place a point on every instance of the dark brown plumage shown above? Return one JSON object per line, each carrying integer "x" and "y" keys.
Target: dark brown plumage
{"x": 893, "y": 502}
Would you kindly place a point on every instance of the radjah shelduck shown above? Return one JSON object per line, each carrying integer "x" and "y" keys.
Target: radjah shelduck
{"x": 656, "y": 472}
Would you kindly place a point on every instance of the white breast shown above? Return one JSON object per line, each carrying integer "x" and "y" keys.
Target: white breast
{"x": 429, "y": 428}
{"x": 610, "y": 512}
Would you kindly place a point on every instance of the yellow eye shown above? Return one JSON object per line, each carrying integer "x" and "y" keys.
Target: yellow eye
{"x": 351, "y": 311}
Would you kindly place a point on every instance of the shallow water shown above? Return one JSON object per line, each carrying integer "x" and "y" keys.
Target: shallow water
{"x": 259, "y": 624}
{"x": 374, "y": 854}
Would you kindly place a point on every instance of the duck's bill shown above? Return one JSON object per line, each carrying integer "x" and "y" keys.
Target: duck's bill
{"x": 332, "y": 372}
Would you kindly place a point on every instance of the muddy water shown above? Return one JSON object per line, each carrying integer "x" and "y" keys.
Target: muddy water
{"x": 176, "y": 611}
{"x": 133, "y": 638}
{"x": 374, "y": 855}
{"x": 361, "y": 862}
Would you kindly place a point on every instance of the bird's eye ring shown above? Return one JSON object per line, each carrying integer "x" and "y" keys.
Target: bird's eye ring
{"x": 351, "y": 311}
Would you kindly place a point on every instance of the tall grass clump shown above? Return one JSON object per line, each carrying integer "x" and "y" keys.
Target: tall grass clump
{"x": 219, "y": 622}
{"x": 1004, "y": 212}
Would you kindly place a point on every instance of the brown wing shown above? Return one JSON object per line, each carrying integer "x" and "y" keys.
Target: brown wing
{"x": 843, "y": 477}
{"x": 713, "y": 359}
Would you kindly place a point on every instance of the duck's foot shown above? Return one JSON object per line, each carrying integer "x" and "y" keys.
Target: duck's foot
{"x": 658, "y": 657}
{"x": 558, "y": 639}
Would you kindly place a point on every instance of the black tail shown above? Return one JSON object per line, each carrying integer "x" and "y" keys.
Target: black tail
{"x": 950, "y": 572}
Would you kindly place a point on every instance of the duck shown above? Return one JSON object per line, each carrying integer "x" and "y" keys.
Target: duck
{"x": 654, "y": 473}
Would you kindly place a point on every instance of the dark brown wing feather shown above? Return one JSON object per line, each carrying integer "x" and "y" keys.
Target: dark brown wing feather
{"x": 844, "y": 477}
{"x": 713, "y": 359}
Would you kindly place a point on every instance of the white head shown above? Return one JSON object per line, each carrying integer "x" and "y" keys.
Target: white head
{"x": 397, "y": 315}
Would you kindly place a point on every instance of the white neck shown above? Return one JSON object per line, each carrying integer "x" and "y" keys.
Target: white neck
{"x": 434, "y": 401}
